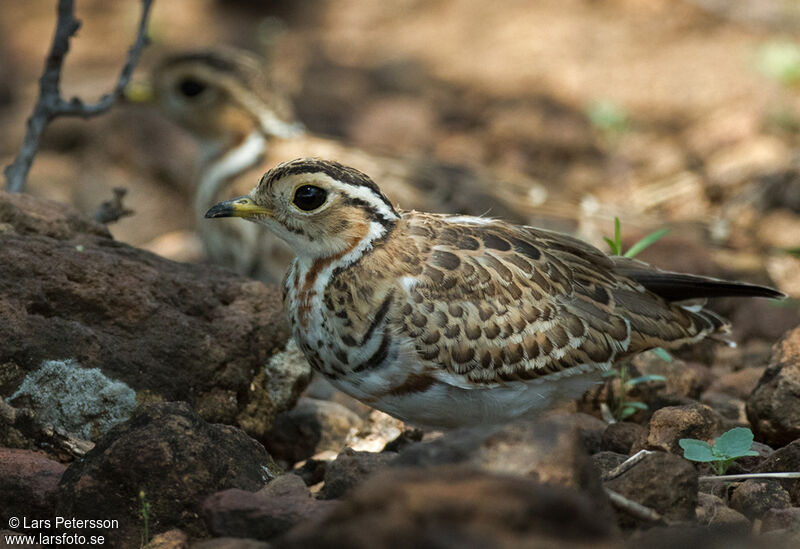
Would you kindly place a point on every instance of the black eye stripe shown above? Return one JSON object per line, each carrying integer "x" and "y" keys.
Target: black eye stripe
{"x": 189, "y": 87}
{"x": 309, "y": 197}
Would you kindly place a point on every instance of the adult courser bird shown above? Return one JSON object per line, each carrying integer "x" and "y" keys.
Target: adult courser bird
{"x": 453, "y": 320}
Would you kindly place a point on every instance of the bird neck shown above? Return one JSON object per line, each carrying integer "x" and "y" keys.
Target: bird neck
{"x": 221, "y": 164}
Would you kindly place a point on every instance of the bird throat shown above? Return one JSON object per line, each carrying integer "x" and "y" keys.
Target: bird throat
{"x": 219, "y": 168}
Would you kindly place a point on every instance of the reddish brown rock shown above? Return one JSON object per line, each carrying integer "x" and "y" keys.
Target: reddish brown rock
{"x": 28, "y": 482}
{"x": 774, "y": 406}
{"x": 738, "y": 384}
{"x": 168, "y": 330}
{"x": 309, "y": 428}
{"x": 549, "y": 451}
{"x": 351, "y": 468}
{"x": 663, "y": 482}
{"x": 755, "y": 497}
{"x": 712, "y": 511}
{"x": 669, "y": 425}
{"x": 784, "y": 460}
{"x": 621, "y": 436}
{"x": 176, "y": 458}
{"x": 263, "y": 515}
{"x": 451, "y": 506}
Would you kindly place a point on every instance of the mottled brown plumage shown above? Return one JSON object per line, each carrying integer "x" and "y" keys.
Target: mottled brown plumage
{"x": 452, "y": 320}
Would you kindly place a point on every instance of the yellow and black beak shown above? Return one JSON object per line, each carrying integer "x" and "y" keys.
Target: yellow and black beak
{"x": 237, "y": 207}
{"x": 139, "y": 91}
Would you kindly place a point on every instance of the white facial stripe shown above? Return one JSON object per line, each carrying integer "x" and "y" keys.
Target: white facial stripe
{"x": 246, "y": 155}
{"x": 361, "y": 193}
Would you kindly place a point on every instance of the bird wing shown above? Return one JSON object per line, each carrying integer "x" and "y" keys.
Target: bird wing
{"x": 494, "y": 302}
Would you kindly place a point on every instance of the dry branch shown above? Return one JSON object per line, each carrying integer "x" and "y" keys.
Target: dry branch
{"x": 51, "y": 105}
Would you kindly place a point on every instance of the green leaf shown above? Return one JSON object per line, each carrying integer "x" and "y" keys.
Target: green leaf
{"x": 626, "y": 413}
{"x": 635, "y": 404}
{"x": 618, "y": 234}
{"x": 697, "y": 450}
{"x": 645, "y": 379}
{"x": 663, "y": 354}
{"x": 735, "y": 443}
{"x": 613, "y": 372}
{"x": 646, "y": 242}
{"x": 612, "y": 245}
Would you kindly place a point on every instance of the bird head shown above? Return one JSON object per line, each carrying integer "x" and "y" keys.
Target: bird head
{"x": 218, "y": 95}
{"x": 320, "y": 208}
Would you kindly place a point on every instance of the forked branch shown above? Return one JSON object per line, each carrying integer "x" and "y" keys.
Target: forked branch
{"x": 51, "y": 104}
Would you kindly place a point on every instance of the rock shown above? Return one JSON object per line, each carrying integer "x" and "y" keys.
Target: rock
{"x": 712, "y": 511}
{"x": 168, "y": 331}
{"x": 684, "y": 535}
{"x": 590, "y": 428}
{"x": 730, "y": 409}
{"x": 668, "y": 425}
{"x": 620, "y": 437}
{"x": 607, "y": 461}
{"x": 452, "y": 506}
{"x": 774, "y": 406}
{"x": 231, "y": 543}
{"x": 784, "y": 460}
{"x": 265, "y": 514}
{"x": 312, "y": 471}
{"x": 167, "y": 451}
{"x": 755, "y": 497}
{"x": 778, "y": 519}
{"x": 28, "y": 483}
{"x": 548, "y": 451}
{"x": 683, "y": 379}
{"x": 88, "y": 402}
{"x": 312, "y": 426}
{"x": 738, "y": 384}
{"x": 378, "y": 431}
{"x": 663, "y": 482}
{"x": 171, "y": 539}
{"x": 349, "y": 469}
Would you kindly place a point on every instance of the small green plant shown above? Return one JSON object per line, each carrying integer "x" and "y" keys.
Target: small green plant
{"x": 144, "y": 510}
{"x": 608, "y": 117}
{"x": 780, "y": 60}
{"x": 636, "y": 249}
{"x": 734, "y": 444}
{"x": 622, "y": 408}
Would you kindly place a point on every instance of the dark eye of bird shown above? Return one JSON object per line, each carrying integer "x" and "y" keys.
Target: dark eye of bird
{"x": 309, "y": 197}
{"x": 190, "y": 87}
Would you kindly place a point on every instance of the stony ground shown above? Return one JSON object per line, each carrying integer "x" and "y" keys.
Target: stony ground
{"x": 124, "y": 372}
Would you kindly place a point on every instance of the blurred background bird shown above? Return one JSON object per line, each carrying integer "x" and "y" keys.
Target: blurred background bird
{"x": 244, "y": 124}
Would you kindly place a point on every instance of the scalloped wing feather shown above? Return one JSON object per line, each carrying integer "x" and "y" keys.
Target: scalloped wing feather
{"x": 495, "y": 303}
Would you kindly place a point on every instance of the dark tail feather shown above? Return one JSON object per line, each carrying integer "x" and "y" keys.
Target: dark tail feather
{"x": 680, "y": 287}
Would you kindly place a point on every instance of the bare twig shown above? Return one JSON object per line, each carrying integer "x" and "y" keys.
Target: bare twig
{"x": 746, "y": 476}
{"x": 626, "y": 465}
{"x": 634, "y": 509}
{"x": 50, "y": 104}
{"x": 113, "y": 210}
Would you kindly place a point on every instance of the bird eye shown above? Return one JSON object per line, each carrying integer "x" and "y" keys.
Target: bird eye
{"x": 309, "y": 197}
{"x": 190, "y": 87}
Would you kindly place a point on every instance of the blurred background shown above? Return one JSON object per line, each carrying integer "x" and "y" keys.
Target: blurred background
{"x": 666, "y": 113}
